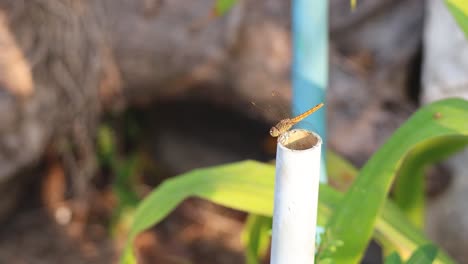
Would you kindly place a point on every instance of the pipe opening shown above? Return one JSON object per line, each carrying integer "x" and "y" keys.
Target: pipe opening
{"x": 299, "y": 139}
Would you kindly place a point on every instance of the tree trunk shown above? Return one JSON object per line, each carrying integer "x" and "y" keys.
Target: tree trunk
{"x": 66, "y": 61}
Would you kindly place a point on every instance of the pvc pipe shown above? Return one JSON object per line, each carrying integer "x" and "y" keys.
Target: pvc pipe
{"x": 296, "y": 196}
{"x": 310, "y": 65}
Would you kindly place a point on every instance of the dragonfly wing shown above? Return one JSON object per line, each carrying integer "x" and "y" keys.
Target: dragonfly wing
{"x": 307, "y": 123}
{"x": 304, "y": 124}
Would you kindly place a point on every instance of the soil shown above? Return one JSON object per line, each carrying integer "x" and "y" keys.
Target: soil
{"x": 53, "y": 226}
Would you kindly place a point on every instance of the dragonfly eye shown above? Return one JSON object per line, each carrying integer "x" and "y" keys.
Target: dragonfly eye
{"x": 274, "y": 132}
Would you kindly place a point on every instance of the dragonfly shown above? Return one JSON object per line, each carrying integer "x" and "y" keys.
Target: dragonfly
{"x": 285, "y": 124}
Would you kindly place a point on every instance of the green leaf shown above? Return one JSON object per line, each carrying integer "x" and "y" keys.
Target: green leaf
{"x": 256, "y": 180}
{"x": 354, "y": 220}
{"x": 409, "y": 186}
{"x": 248, "y": 186}
{"x": 393, "y": 258}
{"x": 423, "y": 255}
{"x": 123, "y": 187}
{"x": 459, "y": 10}
{"x": 106, "y": 145}
{"x": 223, "y": 6}
{"x": 394, "y": 232}
{"x": 341, "y": 173}
{"x": 256, "y": 237}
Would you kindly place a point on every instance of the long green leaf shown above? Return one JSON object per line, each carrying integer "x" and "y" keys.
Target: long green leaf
{"x": 260, "y": 177}
{"x": 355, "y": 218}
{"x": 256, "y": 237}
{"x": 248, "y": 186}
{"x": 423, "y": 255}
{"x": 459, "y": 9}
{"x": 341, "y": 173}
{"x": 409, "y": 186}
{"x": 393, "y": 258}
{"x": 395, "y": 232}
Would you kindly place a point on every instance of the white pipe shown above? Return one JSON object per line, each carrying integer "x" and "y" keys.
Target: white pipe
{"x": 296, "y": 196}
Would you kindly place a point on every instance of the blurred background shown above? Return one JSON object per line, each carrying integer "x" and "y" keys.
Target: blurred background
{"x": 100, "y": 101}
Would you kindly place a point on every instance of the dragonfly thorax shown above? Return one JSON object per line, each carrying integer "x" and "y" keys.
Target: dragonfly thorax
{"x": 283, "y": 126}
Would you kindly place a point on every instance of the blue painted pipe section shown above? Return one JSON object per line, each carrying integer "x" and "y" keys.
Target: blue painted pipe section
{"x": 310, "y": 65}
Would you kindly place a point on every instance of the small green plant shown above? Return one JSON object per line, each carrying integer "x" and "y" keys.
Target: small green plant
{"x": 223, "y": 6}
{"x": 123, "y": 170}
{"x": 353, "y": 218}
{"x": 327, "y": 248}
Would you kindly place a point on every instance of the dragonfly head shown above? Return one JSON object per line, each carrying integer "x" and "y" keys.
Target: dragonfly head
{"x": 274, "y": 131}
